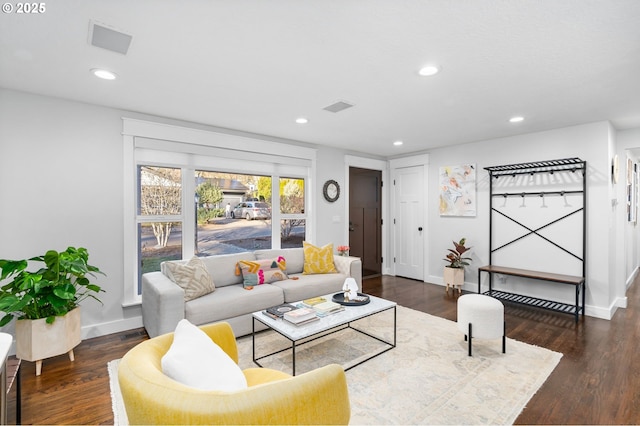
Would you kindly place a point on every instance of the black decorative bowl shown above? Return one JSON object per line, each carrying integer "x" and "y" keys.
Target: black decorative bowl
{"x": 339, "y": 298}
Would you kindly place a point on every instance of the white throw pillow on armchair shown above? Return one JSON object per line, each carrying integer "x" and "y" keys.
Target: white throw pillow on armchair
{"x": 196, "y": 361}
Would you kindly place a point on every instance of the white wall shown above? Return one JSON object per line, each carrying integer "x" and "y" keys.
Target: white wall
{"x": 61, "y": 184}
{"x": 330, "y": 218}
{"x": 628, "y": 146}
{"x": 589, "y": 142}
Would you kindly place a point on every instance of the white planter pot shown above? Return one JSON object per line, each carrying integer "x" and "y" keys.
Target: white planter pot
{"x": 37, "y": 340}
{"x": 454, "y": 277}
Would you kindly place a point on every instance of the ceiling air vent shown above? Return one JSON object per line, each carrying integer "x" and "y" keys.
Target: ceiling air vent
{"x": 338, "y": 106}
{"x": 102, "y": 36}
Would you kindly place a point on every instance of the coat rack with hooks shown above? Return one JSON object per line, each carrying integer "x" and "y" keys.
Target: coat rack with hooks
{"x": 539, "y": 193}
{"x": 566, "y": 165}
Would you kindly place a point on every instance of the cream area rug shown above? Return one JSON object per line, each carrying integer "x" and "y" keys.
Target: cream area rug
{"x": 427, "y": 379}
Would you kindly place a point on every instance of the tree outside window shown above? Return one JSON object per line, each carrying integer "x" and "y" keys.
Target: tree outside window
{"x": 160, "y": 195}
{"x": 291, "y": 202}
{"x": 159, "y": 219}
{"x": 209, "y": 198}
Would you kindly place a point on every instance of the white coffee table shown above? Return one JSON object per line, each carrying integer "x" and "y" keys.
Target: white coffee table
{"x": 329, "y": 324}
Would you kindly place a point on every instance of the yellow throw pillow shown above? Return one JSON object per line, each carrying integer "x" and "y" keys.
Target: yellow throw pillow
{"x": 318, "y": 260}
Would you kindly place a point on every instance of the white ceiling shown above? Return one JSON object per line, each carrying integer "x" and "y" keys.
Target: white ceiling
{"x": 257, "y": 65}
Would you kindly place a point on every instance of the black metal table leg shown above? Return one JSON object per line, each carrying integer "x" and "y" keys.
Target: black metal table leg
{"x": 395, "y": 325}
{"x": 504, "y": 337}
{"x": 293, "y": 349}
{"x": 253, "y": 339}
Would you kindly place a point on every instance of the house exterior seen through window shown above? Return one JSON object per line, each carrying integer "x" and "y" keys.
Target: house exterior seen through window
{"x": 232, "y": 212}
{"x": 159, "y": 217}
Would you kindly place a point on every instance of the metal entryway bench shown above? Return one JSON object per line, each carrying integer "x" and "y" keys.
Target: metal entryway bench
{"x": 566, "y": 308}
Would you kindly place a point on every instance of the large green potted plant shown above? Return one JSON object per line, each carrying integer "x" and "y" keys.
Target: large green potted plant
{"x": 46, "y": 302}
{"x": 454, "y": 271}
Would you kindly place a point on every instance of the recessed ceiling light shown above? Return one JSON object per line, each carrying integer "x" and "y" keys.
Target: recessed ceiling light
{"x": 398, "y": 143}
{"x": 104, "y": 74}
{"x": 516, "y": 119}
{"x": 302, "y": 120}
{"x": 429, "y": 70}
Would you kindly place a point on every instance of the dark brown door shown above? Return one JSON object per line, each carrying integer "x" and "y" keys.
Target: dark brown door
{"x": 365, "y": 218}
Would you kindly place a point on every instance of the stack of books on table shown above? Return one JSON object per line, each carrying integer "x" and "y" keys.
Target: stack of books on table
{"x": 301, "y": 316}
{"x": 328, "y": 308}
{"x": 278, "y": 311}
{"x": 310, "y": 303}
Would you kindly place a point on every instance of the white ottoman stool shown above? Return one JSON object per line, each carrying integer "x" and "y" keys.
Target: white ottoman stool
{"x": 481, "y": 317}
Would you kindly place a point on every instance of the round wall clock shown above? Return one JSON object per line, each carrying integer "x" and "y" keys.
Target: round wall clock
{"x": 331, "y": 191}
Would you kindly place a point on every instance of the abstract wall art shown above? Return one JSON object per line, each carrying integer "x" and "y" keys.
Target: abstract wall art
{"x": 458, "y": 190}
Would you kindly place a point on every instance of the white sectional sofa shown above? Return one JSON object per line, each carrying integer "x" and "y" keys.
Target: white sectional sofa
{"x": 163, "y": 304}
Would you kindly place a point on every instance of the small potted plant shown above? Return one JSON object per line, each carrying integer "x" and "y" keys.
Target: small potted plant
{"x": 46, "y": 302}
{"x": 454, "y": 272}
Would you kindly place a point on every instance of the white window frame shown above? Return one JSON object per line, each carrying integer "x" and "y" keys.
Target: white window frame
{"x": 278, "y": 215}
{"x": 190, "y": 149}
{"x": 177, "y": 218}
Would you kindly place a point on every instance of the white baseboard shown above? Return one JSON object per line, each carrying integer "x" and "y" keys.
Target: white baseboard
{"x": 467, "y": 286}
{"x": 631, "y": 278}
{"x": 621, "y": 302}
{"x": 602, "y": 313}
{"x": 97, "y": 330}
{"x": 434, "y": 279}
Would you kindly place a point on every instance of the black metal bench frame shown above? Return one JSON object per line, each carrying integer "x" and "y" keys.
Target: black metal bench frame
{"x": 551, "y": 305}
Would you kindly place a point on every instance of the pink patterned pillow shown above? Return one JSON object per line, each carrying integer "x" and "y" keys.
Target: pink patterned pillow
{"x": 256, "y": 272}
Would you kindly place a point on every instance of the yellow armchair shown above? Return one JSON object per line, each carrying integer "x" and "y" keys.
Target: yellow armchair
{"x": 272, "y": 397}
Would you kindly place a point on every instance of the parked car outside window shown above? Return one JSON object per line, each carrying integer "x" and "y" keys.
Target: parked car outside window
{"x": 251, "y": 210}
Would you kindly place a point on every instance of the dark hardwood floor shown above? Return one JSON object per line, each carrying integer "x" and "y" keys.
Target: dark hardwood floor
{"x": 596, "y": 382}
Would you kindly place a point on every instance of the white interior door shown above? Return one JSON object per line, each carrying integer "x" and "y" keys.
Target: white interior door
{"x": 409, "y": 227}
